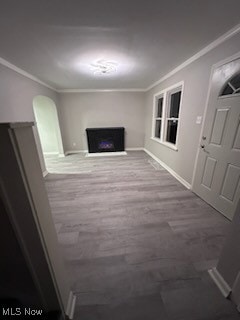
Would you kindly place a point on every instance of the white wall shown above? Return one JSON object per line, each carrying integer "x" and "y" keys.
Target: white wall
{"x": 16, "y": 96}
{"x": 16, "y": 99}
{"x": 79, "y": 111}
{"x": 196, "y": 80}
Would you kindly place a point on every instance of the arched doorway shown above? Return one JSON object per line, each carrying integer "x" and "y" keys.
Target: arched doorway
{"x": 46, "y": 117}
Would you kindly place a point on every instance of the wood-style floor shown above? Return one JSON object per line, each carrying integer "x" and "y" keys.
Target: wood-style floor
{"x": 137, "y": 243}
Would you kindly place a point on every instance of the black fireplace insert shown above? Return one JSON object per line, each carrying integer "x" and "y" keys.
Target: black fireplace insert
{"x": 105, "y": 139}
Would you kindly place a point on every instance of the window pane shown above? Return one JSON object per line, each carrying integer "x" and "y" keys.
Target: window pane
{"x": 227, "y": 90}
{"x": 175, "y": 104}
{"x": 172, "y": 131}
{"x": 159, "y": 108}
{"x": 236, "y": 81}
{"x": 158, "y": 128}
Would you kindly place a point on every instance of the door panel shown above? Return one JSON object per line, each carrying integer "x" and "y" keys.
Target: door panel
{"x": 236, "y": 141}
{"x": 209, "y": 172}
{"x": 217, "y": 176}
{"x": 231, "y": 182}
{"x": 219, "y": 126}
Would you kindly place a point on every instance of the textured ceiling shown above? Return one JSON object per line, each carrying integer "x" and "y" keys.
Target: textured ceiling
{"x": 57, "y": 40}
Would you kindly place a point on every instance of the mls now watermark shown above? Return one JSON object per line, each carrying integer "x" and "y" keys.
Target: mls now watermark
{"x": 21, "y": 312}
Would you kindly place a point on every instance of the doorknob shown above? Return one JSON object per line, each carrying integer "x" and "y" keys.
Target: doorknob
{"x": 202, "y": 146}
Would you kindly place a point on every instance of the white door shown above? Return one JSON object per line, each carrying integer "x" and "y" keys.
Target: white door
{"x": 218, "y": 166}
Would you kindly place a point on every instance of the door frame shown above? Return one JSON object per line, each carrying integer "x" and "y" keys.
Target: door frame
{"x": 213, "y": 68}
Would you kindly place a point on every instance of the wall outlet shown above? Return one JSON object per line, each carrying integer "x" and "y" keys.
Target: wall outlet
{"x": 74, "y": 144}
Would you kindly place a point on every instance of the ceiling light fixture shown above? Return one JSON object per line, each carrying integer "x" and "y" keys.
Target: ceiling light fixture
{"x": 103, "y": 67}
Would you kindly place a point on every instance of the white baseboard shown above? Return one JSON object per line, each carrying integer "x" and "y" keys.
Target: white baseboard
{"x": 50, "y": 153}
{"x": 45, "y": 173}
{"x": 173, "y": 173}
{"x": 220, "y": 282}
{"x": 106, "y": 154}
{"x": 135, "y": 149}
{"x": 61, "y": 155}
{"x": 75, "y": 151}
{"x": 71, "y": 305}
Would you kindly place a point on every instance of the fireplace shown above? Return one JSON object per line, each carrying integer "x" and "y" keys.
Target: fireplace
{"x": 105, "y": 139}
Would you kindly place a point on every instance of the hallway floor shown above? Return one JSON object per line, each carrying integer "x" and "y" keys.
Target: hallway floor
{"x": 137, "y": 243}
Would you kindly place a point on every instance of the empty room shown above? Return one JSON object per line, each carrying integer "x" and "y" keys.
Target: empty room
{"x": 120, "y": 159}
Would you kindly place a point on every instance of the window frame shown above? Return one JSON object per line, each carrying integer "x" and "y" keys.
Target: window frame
{"x": 228, "y": 82}
{"x": 156, "y": 118}
{"x": 166, "y": 95}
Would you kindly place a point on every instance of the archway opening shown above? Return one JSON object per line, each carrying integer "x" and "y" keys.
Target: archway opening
{"x": 48, "y": 128}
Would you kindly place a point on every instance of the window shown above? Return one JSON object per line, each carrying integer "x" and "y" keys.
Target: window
{"x": 166, "y": 111}
{"x": 232, "y": 87}
{"x": 158, "y": 117}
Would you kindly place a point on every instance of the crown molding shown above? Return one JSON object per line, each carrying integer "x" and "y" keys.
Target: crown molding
{"x": 100, "y": 90}
{"x": 198, "y": 55}
{"x": 229, "y": 34}
{"x": 11, "y": 66}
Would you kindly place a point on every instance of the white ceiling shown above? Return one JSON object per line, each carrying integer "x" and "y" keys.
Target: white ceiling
{"x": 57, "y": 40}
